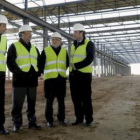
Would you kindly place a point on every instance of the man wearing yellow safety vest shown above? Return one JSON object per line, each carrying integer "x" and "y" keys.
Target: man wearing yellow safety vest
{"x": 54, "y": 62}
{"x": 3, "y": 47}
{"x": 23, "y": 62}
{"x": 82, "y": 55}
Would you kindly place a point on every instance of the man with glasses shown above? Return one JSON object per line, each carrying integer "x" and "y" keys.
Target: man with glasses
{"x": 54, "y": 62}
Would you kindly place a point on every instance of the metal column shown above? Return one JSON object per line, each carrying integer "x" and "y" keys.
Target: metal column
{"x": 58, "y": 16}
{"x": 107, "y": 62}
{"x": 45, "y": 31}
{"x": 25, "y": 20}
{"x": 104, "y": 63}
{"x": 95, "y": 73}
{"x": 99, "y": 65}
{"x": 0, "y": 8}
{"x": 102, "y": 72}
{"x": 45, "y": 38}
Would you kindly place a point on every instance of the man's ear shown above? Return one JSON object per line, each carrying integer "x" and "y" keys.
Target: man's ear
{"x": 19, "y": 35}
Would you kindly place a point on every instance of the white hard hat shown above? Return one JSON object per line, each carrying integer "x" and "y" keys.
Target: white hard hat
{"x": 25, "y": 28}
{"x": 3, "y": 19}
{"x": 78, "y": 27}
{"x": 56, "y": 34}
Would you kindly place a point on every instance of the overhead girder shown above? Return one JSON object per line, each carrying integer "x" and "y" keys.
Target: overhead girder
{"x": 23, "y": 14}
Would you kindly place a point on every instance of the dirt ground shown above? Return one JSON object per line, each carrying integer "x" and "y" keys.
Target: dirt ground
{"x": 116, "y": 103}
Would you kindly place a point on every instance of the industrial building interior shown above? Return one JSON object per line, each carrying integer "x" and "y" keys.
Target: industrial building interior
{"x": 114, "y": 27}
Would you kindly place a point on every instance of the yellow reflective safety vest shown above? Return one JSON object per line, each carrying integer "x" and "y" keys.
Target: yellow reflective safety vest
{"x": 3, "y": 47}
{"x": 79, "y": 55}
{"x": 26, "y": 59}
{"x": 54, "y": 64}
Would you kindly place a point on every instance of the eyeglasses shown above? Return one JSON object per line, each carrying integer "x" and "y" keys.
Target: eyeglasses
{"x": 55, "y": 39}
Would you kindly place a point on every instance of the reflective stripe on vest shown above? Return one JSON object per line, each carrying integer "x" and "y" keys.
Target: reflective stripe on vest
{"x": 54, "y": 70}
{"x": 54, "y": 64}
{"x": 79, "y": 55}
{"x": 3, "y": 44}
{"x": 24, "y": 58}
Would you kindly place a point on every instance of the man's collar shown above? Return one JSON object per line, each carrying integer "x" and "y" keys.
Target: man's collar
{"x": 24, "y": 43}
{"x": 80, "y": 40}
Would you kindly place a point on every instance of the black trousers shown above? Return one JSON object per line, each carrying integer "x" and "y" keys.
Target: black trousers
{"x": 55, "y": 88}
{"x": 18, "y": 98}
{"x": 80, "y": 86}
{"x": 2, "y": 101}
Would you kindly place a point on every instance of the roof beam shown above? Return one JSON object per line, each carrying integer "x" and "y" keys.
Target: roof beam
{"x": 115, "y": 30}
{"x": 13, "y": 9}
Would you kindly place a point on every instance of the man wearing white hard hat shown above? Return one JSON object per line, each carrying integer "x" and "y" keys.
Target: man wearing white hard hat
{"x": 3, "y": 47}
{"x": 54, "y": 62}
{"x": 82, "y": 55}
{"x": 23, "y": 62}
